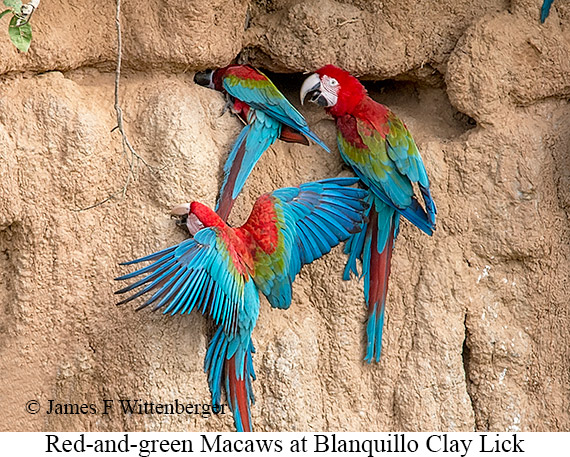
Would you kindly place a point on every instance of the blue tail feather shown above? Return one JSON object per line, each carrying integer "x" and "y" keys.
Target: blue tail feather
{"x": 222, "y": 353}
{"x": 376, "y": 265}
{"x": 545, "y": 10}
{"x": 373, "y": 246}
{"x": 252, "y": 142}
{"x": 374, "y": 329}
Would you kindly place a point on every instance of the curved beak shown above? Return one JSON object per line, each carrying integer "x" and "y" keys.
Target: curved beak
{"x": 181, "y": 213}
{"x": 180, "y": 210}
{"x": 204, "y": 78}
{"x": 312, "y": 88}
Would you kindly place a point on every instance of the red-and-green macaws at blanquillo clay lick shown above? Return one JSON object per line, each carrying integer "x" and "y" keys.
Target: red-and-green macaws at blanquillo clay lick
{"x": 268, "y": 115}
{"x": 380, "y": 149}
{"x": 221, "y": 270}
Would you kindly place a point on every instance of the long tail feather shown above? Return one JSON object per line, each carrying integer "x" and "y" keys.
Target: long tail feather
{"x": 238, "y": 398}
{"x": 231, "y": 362}
{"x": 231, "y": 170}
{"x": 545, "y": 10}
{"x": 376, "y": 267}
{"x": 254, "y": 139}
{"x": 373, "y": 247}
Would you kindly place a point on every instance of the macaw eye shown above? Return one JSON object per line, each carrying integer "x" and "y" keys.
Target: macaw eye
{"x": 333, "y": 82}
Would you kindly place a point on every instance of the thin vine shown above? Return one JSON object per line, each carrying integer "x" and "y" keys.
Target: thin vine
{"x": 130, "y": 155}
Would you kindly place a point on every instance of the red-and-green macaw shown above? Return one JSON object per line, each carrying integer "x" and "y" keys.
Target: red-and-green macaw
{"x": 382, "y": 152}
{"x": 221, "y": 270}
{"x": 545, "y": 10}
{"x": 268, "y": 115}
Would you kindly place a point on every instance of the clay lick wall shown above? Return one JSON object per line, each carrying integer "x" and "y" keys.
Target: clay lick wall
{"x": 477, "y": 327}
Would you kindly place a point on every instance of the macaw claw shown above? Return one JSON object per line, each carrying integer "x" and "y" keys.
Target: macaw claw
{"x": 228, "y": 106}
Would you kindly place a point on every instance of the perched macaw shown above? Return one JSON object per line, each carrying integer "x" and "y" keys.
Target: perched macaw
{"x": 268, "y": 115}
{"x": 380, "y": 149}
{"x": 221, "y": 270}
{"x": 545, "y": 10}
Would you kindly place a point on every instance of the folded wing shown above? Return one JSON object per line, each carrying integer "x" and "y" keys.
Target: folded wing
{"x": 255, "y": 89}
{"x": 388, "y": 162}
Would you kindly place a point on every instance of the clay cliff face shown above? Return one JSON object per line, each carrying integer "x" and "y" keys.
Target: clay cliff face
{"x": 477, "y": 331}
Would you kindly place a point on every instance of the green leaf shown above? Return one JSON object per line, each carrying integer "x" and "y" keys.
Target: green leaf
{"x": 16, "y": 5}
{"x": 3, "y": 13}
{"x": 20, "y": 36}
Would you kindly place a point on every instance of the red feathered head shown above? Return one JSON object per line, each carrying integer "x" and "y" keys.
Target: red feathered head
{"x": 335, "y": 89}
{"x": 196, "y": 216}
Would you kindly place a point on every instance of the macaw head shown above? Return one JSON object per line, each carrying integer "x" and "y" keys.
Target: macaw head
{"x": 211, "y": 78}
{"x": 205, "y": 78}
{"x": 196, "y": 216}
{"x": 333, "y": 88}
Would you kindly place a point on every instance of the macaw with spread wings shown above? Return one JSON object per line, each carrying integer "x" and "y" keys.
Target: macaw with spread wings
{"x": 221, "y": 270}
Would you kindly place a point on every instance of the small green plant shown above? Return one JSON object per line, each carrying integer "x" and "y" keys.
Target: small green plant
{"x": 20, "y": 30}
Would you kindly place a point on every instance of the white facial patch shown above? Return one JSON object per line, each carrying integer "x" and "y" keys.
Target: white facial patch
{"x": 329, "y": 89}
{"x": 193, "y": 223}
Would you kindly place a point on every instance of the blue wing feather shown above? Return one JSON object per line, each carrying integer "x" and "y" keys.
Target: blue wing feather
{"x": 312, "y": 228}
{"x": 193, "y": 267}
{"x": 224, "y": 347}
{"x": 274, "y": 104}
{"x": 414, "y": 213}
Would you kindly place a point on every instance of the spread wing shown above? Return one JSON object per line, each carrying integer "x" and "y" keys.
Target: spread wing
{"x": 199, "y": 273}
{"x": 310, "y": 220}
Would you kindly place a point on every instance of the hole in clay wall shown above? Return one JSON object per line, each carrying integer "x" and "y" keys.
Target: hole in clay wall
{"x": 426, "y": 110}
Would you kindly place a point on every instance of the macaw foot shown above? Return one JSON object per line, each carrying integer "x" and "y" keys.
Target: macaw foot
{"x": 229, "y": 105}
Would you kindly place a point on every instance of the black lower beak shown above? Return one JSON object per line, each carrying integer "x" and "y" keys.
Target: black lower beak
{"x": 311, "y": 88}
{"x": 181, "y": 220}
{"x": 204, "y": 78}
{"x": 318, "y": 98}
